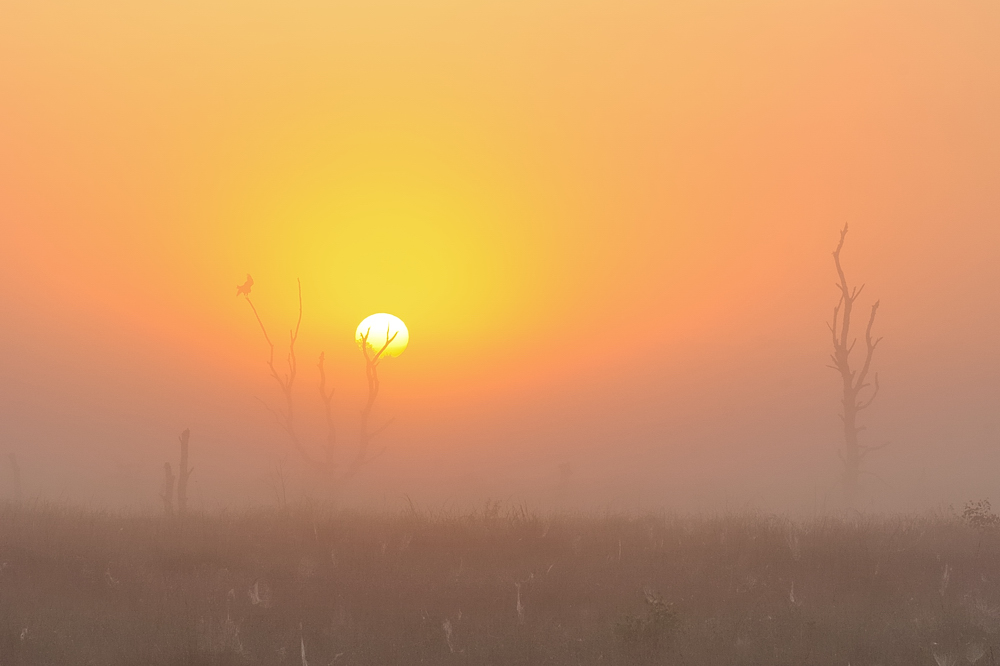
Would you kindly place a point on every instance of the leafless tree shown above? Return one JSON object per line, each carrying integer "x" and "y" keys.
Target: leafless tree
{"x": 855, "y": 380}
{"x": 286, "y": 382}
{"x": 180, "y": 482}
{"x": 372, "y": 359}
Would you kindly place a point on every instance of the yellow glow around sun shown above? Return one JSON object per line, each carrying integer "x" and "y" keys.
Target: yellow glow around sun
{"x": 380, "y": 327}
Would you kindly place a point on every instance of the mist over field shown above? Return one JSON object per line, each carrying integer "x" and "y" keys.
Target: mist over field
{"x": 517, "y": 332}
{"x": 743, "y": 414}
{"x": 608, "y": 227}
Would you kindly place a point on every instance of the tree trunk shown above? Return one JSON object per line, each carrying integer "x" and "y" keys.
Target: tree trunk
{"x": 365, "y": 436}
{"x": 851, "y": 456}
{"x": 372, "y": 358}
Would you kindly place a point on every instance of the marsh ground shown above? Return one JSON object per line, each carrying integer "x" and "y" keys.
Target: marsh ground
{"x": 498, "y": 586}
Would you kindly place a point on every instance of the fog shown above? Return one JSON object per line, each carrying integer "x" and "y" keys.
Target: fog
{"x": 741, "y": 413}
{"x": 609, "y": 230}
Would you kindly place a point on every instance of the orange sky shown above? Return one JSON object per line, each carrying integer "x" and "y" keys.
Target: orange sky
{"x": 606, "y": 224}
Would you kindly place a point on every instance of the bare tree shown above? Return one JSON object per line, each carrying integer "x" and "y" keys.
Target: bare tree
{"x": 180, "y": 482}
{"x": 286, "y": 383}
{"x": 372, "y": 358}
{"x": 855, "y": 381}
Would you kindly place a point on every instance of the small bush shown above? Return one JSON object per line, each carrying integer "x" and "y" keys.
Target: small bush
{"x": 646, "y": 636}
{"x": 979, "y": 515}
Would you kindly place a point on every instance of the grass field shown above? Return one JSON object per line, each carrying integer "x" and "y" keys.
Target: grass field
{"x": 496, "y": 587}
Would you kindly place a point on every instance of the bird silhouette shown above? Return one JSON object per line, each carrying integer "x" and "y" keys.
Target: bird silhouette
{"x": 245, "y": 289}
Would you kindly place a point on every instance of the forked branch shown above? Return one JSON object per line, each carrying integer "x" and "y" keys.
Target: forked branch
{"x": 286, "y": 382}
{"x": 285, "y": 416}
{"x": 371, "y": 372}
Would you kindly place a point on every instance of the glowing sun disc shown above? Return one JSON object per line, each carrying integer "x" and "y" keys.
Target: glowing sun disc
{"x": 381, "y": 327}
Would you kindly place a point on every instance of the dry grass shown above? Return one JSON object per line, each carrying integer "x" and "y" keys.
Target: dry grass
{"x": 496, "y": 587}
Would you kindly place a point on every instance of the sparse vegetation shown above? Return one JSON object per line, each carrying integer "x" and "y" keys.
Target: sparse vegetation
{"x": 493, "y": 587}
{"x": 180, "y": 482}
{"x": 979, "y": 515}
{"x": 644, "y": 637}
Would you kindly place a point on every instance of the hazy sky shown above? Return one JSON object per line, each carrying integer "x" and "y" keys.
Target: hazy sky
{"x": 607, "y": 226}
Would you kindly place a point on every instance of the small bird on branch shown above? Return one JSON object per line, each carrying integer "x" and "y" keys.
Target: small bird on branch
{"x": 245, "y": 288}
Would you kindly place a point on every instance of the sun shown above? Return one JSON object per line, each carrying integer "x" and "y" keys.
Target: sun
{"x": 381, "y": 327}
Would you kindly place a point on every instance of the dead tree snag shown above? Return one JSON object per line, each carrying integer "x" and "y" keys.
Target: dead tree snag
{"x": 372, "y": 358}
{"x": 854, "y": 380}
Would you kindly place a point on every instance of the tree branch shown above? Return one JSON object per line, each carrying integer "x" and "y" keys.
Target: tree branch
{"x": 371, "y": 372}
{"x": 848, "y": 300}
{"x": 865, "y": 450}
{"x": 870, "y": 347}
{"x": 374, "y": 433}
{"x": 867, "y": 403}
{"x": 277, "y": 417}
{"x": 267, "y": 338}
{"x": 286, "y": 419}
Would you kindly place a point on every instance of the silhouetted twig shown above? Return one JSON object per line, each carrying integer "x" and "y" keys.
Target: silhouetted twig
{"x": 371, "y": 372}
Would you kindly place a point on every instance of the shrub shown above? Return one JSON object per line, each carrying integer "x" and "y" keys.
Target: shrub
{"x": 644, "y": 637}
{"x": 979, "y": 515}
